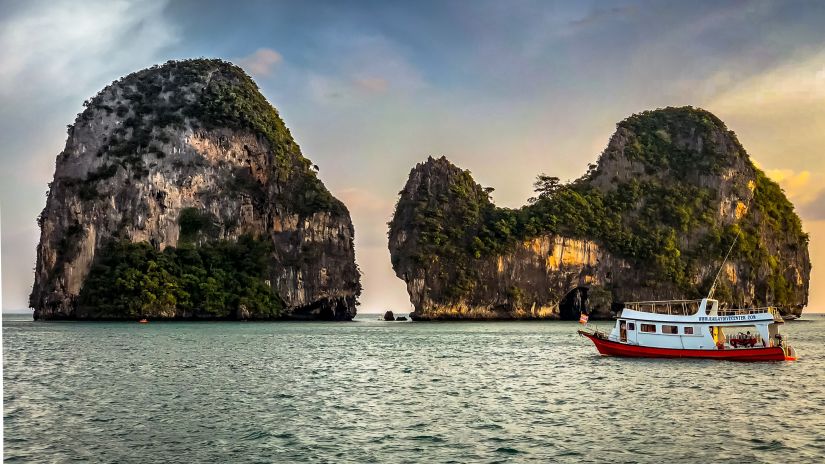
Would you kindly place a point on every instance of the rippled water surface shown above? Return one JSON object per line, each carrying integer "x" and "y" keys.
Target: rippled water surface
{"x": 371, "y": 391}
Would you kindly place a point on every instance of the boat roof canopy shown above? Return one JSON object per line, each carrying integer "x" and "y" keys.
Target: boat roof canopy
{"x": 673, "y": 307}
{"x": 701, "y": 307}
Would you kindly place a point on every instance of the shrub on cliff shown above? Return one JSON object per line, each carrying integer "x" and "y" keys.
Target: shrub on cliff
{"x": 214, "y": 280}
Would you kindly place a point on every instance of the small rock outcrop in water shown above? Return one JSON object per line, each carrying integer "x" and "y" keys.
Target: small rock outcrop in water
{"x": 652, "y": 220}
{"x": 401, "y": 318}
{"x": 181, "y": 194}
{"x": 388, "y": 316}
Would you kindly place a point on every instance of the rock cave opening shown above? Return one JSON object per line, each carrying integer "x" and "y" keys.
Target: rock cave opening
{"x": 573, "y": 304}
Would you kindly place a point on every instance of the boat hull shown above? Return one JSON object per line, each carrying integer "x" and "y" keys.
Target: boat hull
{"x": 611, "y": 348}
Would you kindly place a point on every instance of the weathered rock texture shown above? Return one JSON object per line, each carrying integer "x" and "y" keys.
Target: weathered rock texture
{"x": 193, "y": 135}
{"x": 652, "y": 220}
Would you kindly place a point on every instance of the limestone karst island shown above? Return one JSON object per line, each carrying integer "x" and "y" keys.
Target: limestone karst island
{"x": 181, "y": 194}
{"x": 653, "y": 219}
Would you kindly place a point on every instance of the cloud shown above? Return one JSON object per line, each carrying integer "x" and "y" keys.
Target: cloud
{"x": 365, "y": 67}
{"x": 345, "y": 90}
{"x": 814, "y": 210}
{"x": 57, "y": 54}
{"x": 600, "y": 15}
{"x": 324, "y": 89}
{"x": 261, "y": 63}
{"x": 53, "y": 46}
{"x": 795, "y": 85}
{"x": 796, "y": 184}
{"x": 53, "y": 56}
{"x": 372, "y": 84}
{"x": 806, "y": 190}
{"x": 779, "y": 115}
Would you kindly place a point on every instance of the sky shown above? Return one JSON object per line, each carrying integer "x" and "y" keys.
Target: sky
{"x": 506, "y": 89}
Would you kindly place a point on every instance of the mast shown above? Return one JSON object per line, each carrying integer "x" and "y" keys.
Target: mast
{"x": 719, "y": 272}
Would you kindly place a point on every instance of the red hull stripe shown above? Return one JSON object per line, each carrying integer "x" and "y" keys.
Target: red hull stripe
{"x": 611, "y": 348}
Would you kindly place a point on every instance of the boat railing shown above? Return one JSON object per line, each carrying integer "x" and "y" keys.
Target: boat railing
{"x": 743, "y": 311}
{"x": 691, "y": 307}
{"x": 671, "y": 307}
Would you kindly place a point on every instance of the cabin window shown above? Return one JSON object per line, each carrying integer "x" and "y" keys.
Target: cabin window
{"x": 670, "y": 329}
{"x": 688, "y": 330}
{"x": 631, "y": 326}
{"x": 648, "y": 328}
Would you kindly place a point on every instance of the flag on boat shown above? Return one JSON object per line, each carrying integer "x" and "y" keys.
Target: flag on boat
{"x": 583, "y": 318}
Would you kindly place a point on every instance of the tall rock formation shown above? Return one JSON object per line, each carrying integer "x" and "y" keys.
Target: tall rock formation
{"x": 652, "y": 219}
{"x": 181, "y": 194}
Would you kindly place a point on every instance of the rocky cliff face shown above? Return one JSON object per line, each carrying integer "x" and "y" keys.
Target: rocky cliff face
{"x": 653, "y": 219}
{"x": 189, "y": 158}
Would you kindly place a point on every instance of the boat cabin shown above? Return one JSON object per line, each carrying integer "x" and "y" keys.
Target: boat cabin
{"x": 696, "y": 325}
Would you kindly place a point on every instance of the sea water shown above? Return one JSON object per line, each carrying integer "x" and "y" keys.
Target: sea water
{"x": 373, "y": 391}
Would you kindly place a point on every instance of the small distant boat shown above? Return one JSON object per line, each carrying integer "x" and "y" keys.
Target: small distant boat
{"x": 694, "y": 329}
{"x": 144, "y": 321}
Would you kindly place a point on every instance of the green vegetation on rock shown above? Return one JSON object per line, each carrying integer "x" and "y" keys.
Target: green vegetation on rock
{"x": 657, "y": 135}
{"x": 204, "y": 94}
{"x": 215, "y": 280}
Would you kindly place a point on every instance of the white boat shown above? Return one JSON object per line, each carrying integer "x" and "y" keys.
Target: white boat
{"x": 694, "y": 329}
